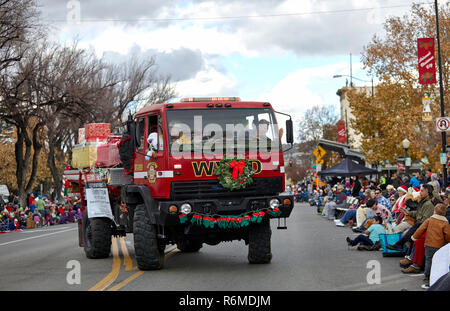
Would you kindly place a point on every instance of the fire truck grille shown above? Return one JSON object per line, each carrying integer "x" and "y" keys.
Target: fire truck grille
{"x": 207, "y": 189}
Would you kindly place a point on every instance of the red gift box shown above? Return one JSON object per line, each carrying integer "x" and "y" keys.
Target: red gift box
{"x": 108, "y": 154}
{"x": 96, "y": 132}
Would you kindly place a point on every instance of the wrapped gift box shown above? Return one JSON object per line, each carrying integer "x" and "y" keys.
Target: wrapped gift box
{"x": 81, "y": 137}
{"x": 108, "y": 155}
{"x": 97, "y": 132}
{"x": 84, "y": 156}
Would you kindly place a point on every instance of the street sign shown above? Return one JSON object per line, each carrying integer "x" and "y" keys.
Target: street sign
{"x": 408, "y": 162}
{"x": 319, "y": 152}
{"x": 319, "y": 167}
{"x": 319, "y": 161}
{"x": 442, "y": 124}
{"x": 443, "y": 158}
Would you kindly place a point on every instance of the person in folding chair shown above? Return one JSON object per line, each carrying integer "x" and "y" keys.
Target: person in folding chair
{"x": 337, "y": 201}
{"x": 424, "y": 211}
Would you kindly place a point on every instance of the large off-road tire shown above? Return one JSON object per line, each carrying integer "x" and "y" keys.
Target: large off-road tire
{"x": 259, "y": 236}
{"x": 189, "y": 246}
{"x": 148, "y": 253}
{"x": 96, "y": 237}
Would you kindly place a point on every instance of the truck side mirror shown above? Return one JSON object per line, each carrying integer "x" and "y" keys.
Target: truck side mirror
{"x": 289, "y": 132}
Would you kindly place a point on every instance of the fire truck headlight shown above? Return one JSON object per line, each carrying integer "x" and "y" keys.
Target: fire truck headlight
{"x": 274, "y": 203}
{"x": 186, "y": 208}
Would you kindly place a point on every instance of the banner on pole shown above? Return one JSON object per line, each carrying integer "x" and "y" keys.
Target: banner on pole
{"x": 427, "y": 66}
{"x": 341, "y": 132}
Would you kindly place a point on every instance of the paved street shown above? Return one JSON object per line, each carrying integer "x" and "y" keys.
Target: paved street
{"x": 311, "y": 255}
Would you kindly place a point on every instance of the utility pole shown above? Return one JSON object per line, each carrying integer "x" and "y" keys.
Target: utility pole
{"x": 441, "y": 91}
{"x": 351, "y": 79}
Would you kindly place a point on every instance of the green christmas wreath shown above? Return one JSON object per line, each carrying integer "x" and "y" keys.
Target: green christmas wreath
{"x": 234, "y": 174}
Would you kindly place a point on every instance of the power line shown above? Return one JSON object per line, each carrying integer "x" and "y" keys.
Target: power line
{"x": 213, "y": 18}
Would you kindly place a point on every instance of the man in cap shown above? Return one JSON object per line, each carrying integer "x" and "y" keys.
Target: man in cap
{"x": 424, "y": 211}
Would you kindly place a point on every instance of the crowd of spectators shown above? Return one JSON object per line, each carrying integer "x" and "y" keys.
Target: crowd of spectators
{"x": 416, "y": 209}
{"x": 40, "y": 211}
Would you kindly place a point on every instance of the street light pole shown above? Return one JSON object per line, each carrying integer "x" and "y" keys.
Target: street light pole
{"x": 406, "y": 144}
{"x": 406, "y": 166}
{"x": 441, "y": 91}
{"x": 351, "y": 83}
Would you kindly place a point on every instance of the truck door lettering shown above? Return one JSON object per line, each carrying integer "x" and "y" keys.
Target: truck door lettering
{"x": 204, "y": 168}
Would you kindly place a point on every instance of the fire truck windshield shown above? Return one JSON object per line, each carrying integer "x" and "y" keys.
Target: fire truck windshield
{"x": 212, "y": 131}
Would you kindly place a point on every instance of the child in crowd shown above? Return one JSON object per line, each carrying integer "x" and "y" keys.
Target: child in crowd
{"x": 370, "y": 240}
{"x": 37, "y": 218}
{"x": 437, "y": 231}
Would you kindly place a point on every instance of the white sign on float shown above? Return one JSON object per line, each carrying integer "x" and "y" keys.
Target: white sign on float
{"x": 98, "y": 203}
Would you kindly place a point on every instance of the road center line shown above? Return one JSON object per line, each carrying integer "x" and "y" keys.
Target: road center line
{"x": 112, "y": 276}
{"x": 127, "y": 261}
{"x": 39, "y": 236}
{"x": 44, "y": 230}
{"x": 168, "y": 254}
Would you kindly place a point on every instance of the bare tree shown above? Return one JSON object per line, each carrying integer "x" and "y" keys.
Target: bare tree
{"x": 18, "y": 18}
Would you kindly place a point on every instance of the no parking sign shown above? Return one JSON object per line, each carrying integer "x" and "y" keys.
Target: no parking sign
{"x": 442, "y": 124}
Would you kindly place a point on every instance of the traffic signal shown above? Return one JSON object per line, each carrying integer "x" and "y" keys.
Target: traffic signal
{"x": 290, "y": 163}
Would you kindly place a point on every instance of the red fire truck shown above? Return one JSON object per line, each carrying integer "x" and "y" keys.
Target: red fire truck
{"x": 193, "y": 172}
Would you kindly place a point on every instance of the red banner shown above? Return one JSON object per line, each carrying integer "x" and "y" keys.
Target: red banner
{"x": 427, "y": 66}
{"x": 341, "y": 132}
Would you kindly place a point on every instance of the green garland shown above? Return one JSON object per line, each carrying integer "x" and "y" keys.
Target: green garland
{"x": 234, "y": 173}
{"x": 229, "y": 221}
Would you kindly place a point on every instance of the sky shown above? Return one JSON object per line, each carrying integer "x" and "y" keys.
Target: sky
{"x": 282, "y": 51}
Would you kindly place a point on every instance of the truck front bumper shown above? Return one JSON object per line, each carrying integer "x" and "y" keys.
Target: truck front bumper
{"x": 224, "y": 207}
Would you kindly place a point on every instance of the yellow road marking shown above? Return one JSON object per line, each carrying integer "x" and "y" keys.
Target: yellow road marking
{"x": 127, "y": 261}
{"x": 169, "y": 253}
{"x": 112, "y": 276}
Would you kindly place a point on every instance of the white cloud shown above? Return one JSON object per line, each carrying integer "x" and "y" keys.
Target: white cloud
{"x": 293, "y": 94}
{"x": 300, "y": 91}
{"x": 208, "y": 82}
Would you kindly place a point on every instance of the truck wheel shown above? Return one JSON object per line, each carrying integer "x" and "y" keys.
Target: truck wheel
{"x": 189, "y": 246}
{"x": 259, "y": 235}
{"x": 148, "y": 254}
{"x": 96, "y": 237}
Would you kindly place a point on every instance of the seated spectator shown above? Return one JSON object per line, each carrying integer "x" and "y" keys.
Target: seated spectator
{"x": 437, "y": 231}
{"x": 400, "y": 203}
{"x": 390, "y": 191}
{"x": 381, "y": 199}
{"x": 330, "y": 197}
{"x": 370, "y": 240}
{"x": 79, "y": 215}
{"x": 337, "y": 201}
{"x": 30, "y": 221}
{"x": 37, "y": 218}
{"x": 71, "y": 215}
{"x": 410, "y": 201}
{"x": 373, "y": 209}
{"x": 368, "y": 194}
{"x": 361, "y": 213}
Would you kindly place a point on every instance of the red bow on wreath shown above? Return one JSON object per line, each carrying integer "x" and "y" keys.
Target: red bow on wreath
{"x": 238, "y": 168}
